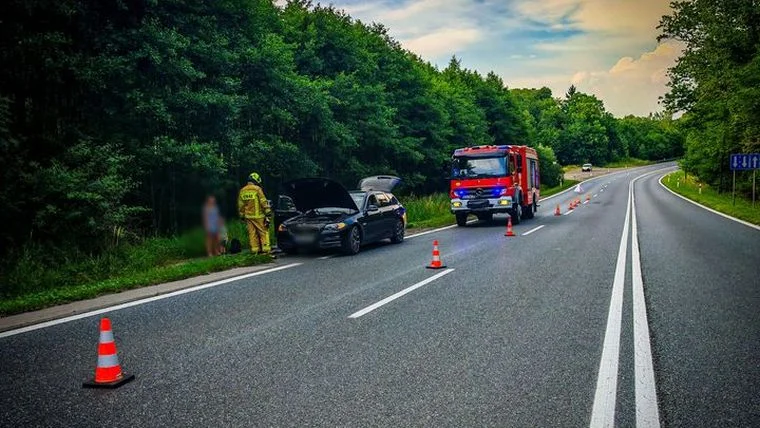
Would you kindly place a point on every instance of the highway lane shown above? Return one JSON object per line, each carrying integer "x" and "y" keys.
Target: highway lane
{"x": 512, "y": 337}
{"x": 702, "y": 275}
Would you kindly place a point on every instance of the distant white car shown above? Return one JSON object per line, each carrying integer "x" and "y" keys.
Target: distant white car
{"x": 586, "y": 167}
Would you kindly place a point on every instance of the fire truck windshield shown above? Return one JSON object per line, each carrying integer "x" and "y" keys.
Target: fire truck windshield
{"x": 479, "y": 167}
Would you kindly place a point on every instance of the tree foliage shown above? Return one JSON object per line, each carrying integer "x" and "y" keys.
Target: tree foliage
{"x": 716, "y": 82}
{"x": 125, "y": 114}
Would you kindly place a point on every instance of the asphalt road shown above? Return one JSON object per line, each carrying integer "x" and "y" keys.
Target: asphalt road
{"x": 520, "y": 333}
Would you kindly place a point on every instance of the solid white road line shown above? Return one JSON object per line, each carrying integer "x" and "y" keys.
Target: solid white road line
{"x": 647, "y": 412}
{"x": 569, "y": 212}
{"x": 603, "y": 412}
{"x": 436, "y": 230}
{"x": 141, "y": 301}
{"x": 533, "y": 230}
{"x": 754, "y": 226}
{"x": 430, "y": 231}
{"x": 389, "y": 299}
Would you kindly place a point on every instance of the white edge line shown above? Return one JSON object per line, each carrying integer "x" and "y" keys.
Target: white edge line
{"x": 393, "y": 297}
{"x": 430, "y": 231}
{"x": 603, "y": 411}
{"x": 647, "y": 412}
{"x": 748, "y": 224}
{"x": 451, "y": 226}
{"x": 140, "y": 301}
{"x": 326, "y": 257}
{"x": 571, "y": 188}
{"x": 534, "y": 230}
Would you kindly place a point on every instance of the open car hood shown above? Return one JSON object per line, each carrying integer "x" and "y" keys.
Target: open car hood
{"x": 382, "y": 183}
{"x": 311, "y": 193}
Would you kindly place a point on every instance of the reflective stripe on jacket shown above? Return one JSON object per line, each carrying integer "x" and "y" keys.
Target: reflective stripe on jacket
{"x": 252, "y": 203}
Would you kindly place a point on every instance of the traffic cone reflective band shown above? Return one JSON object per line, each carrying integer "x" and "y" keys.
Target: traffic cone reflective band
{"x": 108, "y": 372}
{"x": 436, "y": 263}
{"x": 509, "y": 227}
{"x": 557, "y": 211}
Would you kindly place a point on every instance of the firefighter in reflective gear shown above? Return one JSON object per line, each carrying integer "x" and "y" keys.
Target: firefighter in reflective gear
{"x": 254, "y": 209}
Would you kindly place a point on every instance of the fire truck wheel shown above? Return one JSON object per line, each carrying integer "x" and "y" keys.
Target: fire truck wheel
{"x": 516, "y": 214}
{"x": 461, "y": 219}
{"x": 529, "y": 210}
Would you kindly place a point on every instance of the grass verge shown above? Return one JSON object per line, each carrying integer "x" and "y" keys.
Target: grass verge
{"x": 41, "y": 277}
{"x": 566, "y": 184}
{"x": 628, "y": 163}
{"x": 156, "y": 275}
{"x": 722, "y": 202}
{"x": 428, "y": 211}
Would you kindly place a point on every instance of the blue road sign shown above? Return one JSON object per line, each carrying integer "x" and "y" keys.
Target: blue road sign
{"x": 745, "y": 161}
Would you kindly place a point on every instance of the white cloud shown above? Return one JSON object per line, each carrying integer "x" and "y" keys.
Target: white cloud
{"x": 632, "y": 85}
{"x": 629, "y": 17}
{"x": 443, "y": 42}
{"x": 532, "y": 43}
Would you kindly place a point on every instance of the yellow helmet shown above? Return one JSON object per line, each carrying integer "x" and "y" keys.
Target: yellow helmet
{"x": 255, "y": 177}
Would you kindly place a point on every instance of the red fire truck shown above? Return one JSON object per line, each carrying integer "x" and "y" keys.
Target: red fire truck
{"x": 494, "y": 179}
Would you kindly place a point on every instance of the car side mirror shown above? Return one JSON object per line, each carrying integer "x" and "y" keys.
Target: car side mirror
{"x": 372, "y": 208}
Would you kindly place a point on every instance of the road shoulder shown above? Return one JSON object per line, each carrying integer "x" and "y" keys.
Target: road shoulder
{"x": 13, "y": 322}
{"x": 686, "y": 198}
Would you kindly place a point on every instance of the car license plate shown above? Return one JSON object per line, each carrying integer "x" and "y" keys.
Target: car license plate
{"x": 305, "y": 239}
{"x": 477, "y": 204}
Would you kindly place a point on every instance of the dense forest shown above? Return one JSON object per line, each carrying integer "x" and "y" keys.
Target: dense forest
{"x": 717, "y": 82}
{"x": 122, "y": 115}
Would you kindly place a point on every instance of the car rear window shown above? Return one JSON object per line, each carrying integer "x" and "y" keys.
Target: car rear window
{"x": 382, "y": 199}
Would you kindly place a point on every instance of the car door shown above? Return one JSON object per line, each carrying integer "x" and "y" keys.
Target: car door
{"x": 373, "y": 219}
{"x": 388, "y": 213}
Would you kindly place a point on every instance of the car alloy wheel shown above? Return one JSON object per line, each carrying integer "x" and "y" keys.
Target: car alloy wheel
{"x": 356, "y": 240}
{"x": 398, "y": 234}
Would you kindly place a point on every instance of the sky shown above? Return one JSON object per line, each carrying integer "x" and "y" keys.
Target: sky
{"x": 604, "y": 47}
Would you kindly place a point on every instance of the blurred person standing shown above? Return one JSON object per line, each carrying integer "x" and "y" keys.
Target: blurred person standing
{"x": 254, "y": 208}
{"x": 211, "y": 222}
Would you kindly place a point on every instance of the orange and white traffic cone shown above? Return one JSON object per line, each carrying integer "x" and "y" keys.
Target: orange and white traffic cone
{"x": 108, "y": 372}
{"x": 436, "y": 263}
{"x": 557, "y": 211}
{"x": 571, "y": 206}
{"x": 509, "y": 227}
{"x": 588, "y": 198}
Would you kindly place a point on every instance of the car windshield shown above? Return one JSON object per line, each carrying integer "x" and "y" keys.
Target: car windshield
{"x": 358, "y": 198}
{"x": 586, "y": 164}
{"x": 479, "y": 167}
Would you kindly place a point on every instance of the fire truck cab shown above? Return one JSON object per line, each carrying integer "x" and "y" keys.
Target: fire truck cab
{"x": 494, "y": 179}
